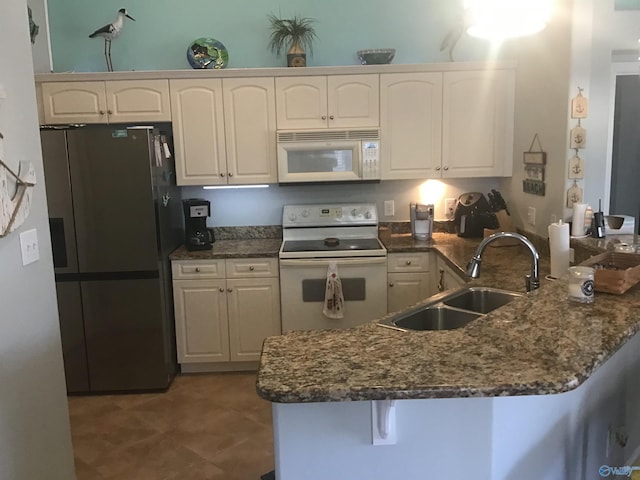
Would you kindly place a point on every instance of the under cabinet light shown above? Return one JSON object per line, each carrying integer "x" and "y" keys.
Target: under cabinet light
{"x": 220, "y": 187}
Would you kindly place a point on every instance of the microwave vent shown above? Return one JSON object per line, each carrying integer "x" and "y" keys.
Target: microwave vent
{"x": 323, "y": 135}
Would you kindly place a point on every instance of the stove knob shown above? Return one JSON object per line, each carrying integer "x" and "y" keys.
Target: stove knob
{"x": 354, "y": 212}
{"x": 305, "y": 213}
{"x": 292, "y": 216}
{"x": 367, "y": 214}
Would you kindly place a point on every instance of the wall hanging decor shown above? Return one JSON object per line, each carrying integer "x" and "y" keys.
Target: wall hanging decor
{"x": 576, "y": 167}
{"x": 534, "y": 164}
{"x": 574, "y": 194}
{"x": 577, "y": 142}
{"x": 15, "y": 194}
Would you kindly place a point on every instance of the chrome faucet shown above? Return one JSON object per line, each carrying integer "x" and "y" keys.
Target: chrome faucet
{"x": 533, "y": 279}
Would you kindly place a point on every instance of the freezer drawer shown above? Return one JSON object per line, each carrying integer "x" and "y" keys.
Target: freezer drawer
{"x": 127, "y": 346}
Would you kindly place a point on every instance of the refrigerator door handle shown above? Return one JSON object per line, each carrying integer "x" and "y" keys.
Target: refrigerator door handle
{"x": 58, "y": 243}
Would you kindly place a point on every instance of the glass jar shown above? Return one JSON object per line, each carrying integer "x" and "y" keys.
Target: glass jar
{"x": 581, "y": 284}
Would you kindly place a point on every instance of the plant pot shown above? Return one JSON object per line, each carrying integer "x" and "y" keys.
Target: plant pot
{"x": 296, "y": 57}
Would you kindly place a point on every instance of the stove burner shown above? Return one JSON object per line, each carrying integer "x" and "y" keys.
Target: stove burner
{"x": 331, "y": 242}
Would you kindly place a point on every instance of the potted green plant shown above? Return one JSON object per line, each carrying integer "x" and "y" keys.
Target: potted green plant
{"x": 297, "y": 33}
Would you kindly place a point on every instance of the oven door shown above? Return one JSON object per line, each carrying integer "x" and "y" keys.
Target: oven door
{"x": 327, "y": 161}
{"x": 302, "y": 291}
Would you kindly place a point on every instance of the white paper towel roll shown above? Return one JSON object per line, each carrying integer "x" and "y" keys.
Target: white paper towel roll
{"x": 559, "y": 248}
{"x": 577, "y": 223}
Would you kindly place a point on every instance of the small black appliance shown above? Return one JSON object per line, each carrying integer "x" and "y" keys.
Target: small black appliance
{"x": 197, "y": 235}
{"x": 472, "y": 215}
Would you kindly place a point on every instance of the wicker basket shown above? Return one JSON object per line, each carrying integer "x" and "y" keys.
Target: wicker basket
{"x": 615, "y": 272}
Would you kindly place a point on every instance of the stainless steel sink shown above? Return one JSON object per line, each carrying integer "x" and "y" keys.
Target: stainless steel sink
{"x": 451, "y": 310}
{"x": 480, "y": 299}
{"x": 435, "y": 318}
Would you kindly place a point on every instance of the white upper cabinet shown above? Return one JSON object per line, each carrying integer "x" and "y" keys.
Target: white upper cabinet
{"x": 117, "y": 101}
{"x": 198, "y": 131}
{"x": 336, "y": 101}
{"x": 477, "y": 123}
{"x": 411, "y": 124}
{"x": 224, "y": 131}
{"x": 250, "y": 130}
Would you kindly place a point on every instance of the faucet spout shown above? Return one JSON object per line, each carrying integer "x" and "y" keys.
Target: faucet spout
{"x": 533, "y": 279}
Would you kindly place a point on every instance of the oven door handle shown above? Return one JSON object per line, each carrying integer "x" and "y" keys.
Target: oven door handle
{"x": 340, "y": 261}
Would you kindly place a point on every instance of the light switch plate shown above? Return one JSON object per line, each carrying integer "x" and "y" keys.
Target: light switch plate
{"x": 29, "y": 246}
{"x": 389, "y": 208}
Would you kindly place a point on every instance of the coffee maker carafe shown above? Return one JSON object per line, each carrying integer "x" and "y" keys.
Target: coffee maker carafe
{"x": 197, "y": 236}
{"x": 421, "y": 221}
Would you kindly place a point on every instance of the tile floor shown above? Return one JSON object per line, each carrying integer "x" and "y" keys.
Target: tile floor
{"x": 205, "y": 427}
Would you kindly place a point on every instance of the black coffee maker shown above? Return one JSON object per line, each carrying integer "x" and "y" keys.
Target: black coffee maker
{"x": 197, "y": 235}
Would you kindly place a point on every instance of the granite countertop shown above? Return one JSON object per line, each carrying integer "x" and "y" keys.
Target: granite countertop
{"x": 538, "y": 344}
{"x": 250, "y": 248}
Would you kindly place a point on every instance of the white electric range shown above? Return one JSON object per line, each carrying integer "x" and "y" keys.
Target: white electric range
{"x": 314, "y": 236}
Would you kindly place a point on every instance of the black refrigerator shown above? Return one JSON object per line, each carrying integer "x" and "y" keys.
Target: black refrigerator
{"x": 114, "y": 218}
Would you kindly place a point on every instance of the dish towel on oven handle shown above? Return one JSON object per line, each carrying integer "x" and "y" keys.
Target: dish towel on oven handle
{"x": 333, "y": 297}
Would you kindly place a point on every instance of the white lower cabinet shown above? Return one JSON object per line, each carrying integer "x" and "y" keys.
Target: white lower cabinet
{"x": 224, "y": 309}
{"x": 410, "y": 279}
{"x": 447, "y": 278}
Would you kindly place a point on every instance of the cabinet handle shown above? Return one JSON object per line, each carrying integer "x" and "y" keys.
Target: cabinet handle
{"x": 446, "y": 168}
{"x": 252, "y": 268}
{"x": 198, "y": 269}
{"x": 441, "y": 280}
{"x": 330, "y": 117}
{"x": 391, "y": 284}
{"x": 408, "y": 262}
{"x": 222, "y": 174}
{"x": 324, "y": 117}
{"x": 437, "y": 168}
{"x": 230, "y": 174}
{"x": 221, "y": 290}
{"x": 229, "y": 290}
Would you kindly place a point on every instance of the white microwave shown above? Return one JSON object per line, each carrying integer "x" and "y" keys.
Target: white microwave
{"x": 328, "y": 155}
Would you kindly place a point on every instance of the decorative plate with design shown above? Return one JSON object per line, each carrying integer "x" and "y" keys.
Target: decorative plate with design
{"x": 207, "y": 52}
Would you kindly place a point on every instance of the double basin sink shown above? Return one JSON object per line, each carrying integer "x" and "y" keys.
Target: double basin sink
{"x": 450, "y": 310}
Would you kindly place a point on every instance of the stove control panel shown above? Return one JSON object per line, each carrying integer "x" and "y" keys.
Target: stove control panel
{"x": 322, "y": 215}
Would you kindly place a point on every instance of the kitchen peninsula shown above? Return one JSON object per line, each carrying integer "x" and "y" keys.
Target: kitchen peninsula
{"x": 540, "y": 388}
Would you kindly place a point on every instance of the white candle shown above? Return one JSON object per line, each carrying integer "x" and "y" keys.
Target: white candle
{"x": 575, "y": 290}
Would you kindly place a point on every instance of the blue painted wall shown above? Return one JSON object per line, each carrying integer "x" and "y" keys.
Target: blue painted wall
{"x": 163, "y": 30}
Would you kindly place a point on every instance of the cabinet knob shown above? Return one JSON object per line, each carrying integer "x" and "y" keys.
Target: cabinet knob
{"x": 229, "y": 290}
{"x": 446, "y": 168}
{"x": 252, "y": 268}
{"x": 110, "y": 112}
{"x": 330, "y": 117}
{"x": 391, "y": 284}
{"x": 222, "y": 174}
{"x": 221, "y": 290}
{"x": 101, "y": 112}
{"x": 437, "y": 168}
{"x": 230, "y": 174}
{"x": 324, "y": 117}
{"x": 408, "y": 262}
{"x": 198, "y": 269}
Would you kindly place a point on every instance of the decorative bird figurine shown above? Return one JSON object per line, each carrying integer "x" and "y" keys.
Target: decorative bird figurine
{"x": 109, "y": 32}
{"x": 453, "y": 35}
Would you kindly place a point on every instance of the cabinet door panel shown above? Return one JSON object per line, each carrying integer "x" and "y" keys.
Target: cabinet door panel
{"x": 250, "y": 129}
{"x": 477, "y": 122}
{"x": 254, "y": 314}
{"x": 406, "y": 289}
{"x": 74, "y": 102}
{"x": 202, "y": 333}
{"x": 198, "y": 131}
{"x": 301, "y": 102}
{"x": 353, "y": 101}
{"x": 131, "y": 101}
{"x": 410, "y": 120}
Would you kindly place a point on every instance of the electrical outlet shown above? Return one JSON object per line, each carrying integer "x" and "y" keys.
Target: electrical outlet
{"x": 389, "y": 208}
{"x": 449, "y": 208}
{"x": 29, "y": 246}
{"x": 531, "y": 215}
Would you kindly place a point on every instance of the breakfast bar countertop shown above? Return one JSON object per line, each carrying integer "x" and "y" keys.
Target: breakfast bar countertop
{"x": 538, "y": 344}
